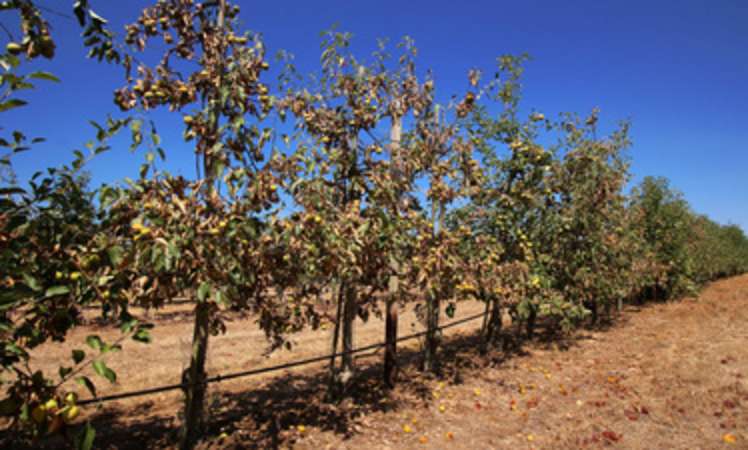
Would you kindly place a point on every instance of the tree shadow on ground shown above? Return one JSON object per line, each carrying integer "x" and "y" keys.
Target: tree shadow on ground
{"x": 268, "y": 415}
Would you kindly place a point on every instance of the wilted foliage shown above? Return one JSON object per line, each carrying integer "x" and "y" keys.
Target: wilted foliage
{"x": 457, "y": 200}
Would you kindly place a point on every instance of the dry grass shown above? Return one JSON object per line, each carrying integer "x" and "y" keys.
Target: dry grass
{"x": 667, "y": 376}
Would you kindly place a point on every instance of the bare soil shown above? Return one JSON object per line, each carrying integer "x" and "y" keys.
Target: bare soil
{"x": 661, "y": 376}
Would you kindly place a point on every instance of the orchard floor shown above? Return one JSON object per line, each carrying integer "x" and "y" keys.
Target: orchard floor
{"x": 663, "y": 376}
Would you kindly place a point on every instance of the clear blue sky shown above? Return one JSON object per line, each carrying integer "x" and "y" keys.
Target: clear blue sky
{"x": 677, "y": 69}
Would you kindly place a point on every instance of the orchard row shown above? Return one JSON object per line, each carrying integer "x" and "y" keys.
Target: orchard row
{"x": 359, "y": 190}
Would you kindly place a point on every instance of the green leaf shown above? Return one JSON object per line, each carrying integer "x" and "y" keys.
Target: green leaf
{"x": 87, "y": 383}
{"x": 95, "y": 342}
{"x": 143, "y": 336}
{"x": 102, "y": 370}
{"x": 78, "y": 356}
{"x": 79, "y": 8}
{"x": 44, "y": 76}
{"x": 115, "y": 254}
{"x": 12, "y": 103}
{"x": 203, "y": 291}
{"x": 65, "y": 371}
{"x": 97, "y": 19}
{"x": 31, "y": 282}
{"x": 85, "y": 438}
{"x": 450, "y": 310}
{"x": 54, "y": 291}
{"x": 11, "y": 191}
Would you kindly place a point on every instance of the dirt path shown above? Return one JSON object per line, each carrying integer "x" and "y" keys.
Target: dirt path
{"x": 669, "y": 376}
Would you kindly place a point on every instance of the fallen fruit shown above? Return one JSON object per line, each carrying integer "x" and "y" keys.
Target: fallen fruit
{"x": 407, "y": 429}
{"x": 729, "y": 438}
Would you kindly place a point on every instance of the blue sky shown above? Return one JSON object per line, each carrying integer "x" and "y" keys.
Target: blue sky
{"x": 676, "y": 69}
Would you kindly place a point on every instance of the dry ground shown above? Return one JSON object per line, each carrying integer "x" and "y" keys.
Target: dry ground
{"x": 666, "y": 376}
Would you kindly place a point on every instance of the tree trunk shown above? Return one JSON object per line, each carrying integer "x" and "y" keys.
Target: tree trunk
{"x": 332, "y": 383}
{"x": 484, "y": 328}
{"x": 349, "y": 318}
{"x": 195, "y": 375}
{"x": 433, "y": 301}
{"x": 594, "y": 310}
{"x": 432, "y": 323}
{"x": 390, "y": 349}
{"x": 493, "y": 327}
{"x": 390, "y": 333}
{"x": 531, "y": 318}
{"x": 195, "y": 379}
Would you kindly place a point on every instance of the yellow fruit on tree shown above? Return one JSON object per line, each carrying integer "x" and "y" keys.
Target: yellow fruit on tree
{"x": 14, "y": 48}
{"x": 75, "y": 276}
{"x": 71, "y": 398}
{"x": 51, "y": 404}
{"x": 71, "y": 413}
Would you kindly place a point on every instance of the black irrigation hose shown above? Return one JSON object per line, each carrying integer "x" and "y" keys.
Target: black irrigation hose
{"x": 247, "y": 373}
